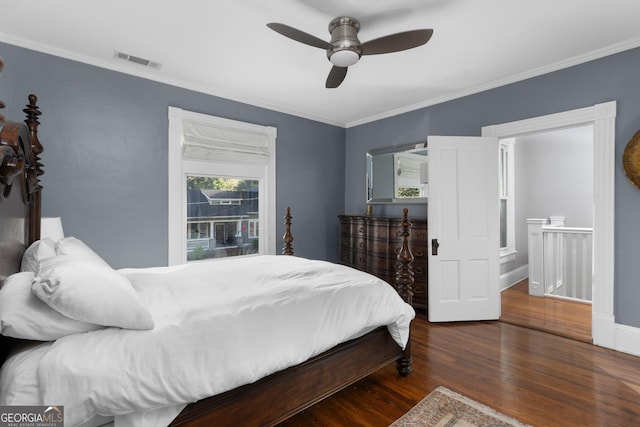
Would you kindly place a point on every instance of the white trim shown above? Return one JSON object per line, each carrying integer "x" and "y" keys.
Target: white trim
{"x": 160, "y": 77}
{"x": 508, "y": 253}
{"x": 155, "y": 75}
{"x": 177, "y": 209}
{"x": 602, "y": 116}
{"x": 513, "y": 277}
{"x": 506, "y": 256}
{"x": 560, "y": 65}
{"x": 178, "y": 168}
{"x": 627, "y": 339}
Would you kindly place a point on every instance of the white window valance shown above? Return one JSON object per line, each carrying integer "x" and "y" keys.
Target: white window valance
{"x": 216, "y": 139}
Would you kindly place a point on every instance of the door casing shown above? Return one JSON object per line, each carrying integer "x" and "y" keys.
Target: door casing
{"x": 602, "y": 117}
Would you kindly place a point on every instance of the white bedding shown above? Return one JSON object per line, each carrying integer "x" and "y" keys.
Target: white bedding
{"x": 218, "y": 325}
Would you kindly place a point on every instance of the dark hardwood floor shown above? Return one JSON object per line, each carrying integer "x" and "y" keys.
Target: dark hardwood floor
{"x": 558, "y": 316}
{"x": 539, "y": 378}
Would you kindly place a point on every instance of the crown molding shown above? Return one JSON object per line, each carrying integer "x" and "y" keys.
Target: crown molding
{"x": 156, "y": 75}
{"x": 566, "y": 63}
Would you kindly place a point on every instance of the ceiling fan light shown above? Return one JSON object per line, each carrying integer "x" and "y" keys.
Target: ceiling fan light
{"x": 344, "y": 58}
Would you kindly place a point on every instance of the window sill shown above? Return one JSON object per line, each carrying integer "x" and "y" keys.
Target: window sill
{"x": 507, "y": 256}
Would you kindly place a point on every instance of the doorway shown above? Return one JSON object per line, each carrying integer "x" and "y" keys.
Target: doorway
{"x": 552, "y": 179}
{"x": 602, "y": 117}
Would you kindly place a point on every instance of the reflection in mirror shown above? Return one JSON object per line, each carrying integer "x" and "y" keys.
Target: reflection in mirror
{"x": 397, "y": 175}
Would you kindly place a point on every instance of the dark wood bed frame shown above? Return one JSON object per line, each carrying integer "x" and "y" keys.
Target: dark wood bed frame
{"x": 265, "y": 402}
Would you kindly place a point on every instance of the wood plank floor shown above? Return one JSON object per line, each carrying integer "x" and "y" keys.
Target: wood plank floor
{"x": 539, "y": 378}
{"x": 558, "y": 316}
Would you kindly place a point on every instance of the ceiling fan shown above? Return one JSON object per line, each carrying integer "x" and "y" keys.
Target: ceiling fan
{"x": 345, "y": 49}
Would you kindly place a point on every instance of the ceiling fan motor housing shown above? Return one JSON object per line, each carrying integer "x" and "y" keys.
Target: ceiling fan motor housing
{"x": 345, "y": 47}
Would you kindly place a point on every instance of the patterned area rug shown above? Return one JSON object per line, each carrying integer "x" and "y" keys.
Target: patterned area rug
{"x": 445, "y": 408}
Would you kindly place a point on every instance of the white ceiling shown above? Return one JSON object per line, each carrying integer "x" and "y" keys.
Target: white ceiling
{"x": 224, "y": 48}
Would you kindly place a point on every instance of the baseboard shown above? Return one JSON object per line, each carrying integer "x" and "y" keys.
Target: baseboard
{"x": 628, "y": 339}
{"x": 603, "y": 330}
{"x": 623, "y": 338}
{"x": 514, "y": 276}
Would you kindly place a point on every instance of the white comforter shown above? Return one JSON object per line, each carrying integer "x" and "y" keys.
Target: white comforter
{"x": 218, "y": 325}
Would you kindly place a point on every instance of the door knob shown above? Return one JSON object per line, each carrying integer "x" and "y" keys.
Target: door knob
{"x": 434, "y": 246}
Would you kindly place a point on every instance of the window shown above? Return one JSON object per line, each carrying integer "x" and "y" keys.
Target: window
{"x": 253, "y": 229}
{"x": 507, "y": 200}
{"x": 220, "y": 211}
{"x": 221, "y": 187}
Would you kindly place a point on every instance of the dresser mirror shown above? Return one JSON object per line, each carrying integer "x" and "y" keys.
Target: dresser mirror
{"x": 397, "y": 174}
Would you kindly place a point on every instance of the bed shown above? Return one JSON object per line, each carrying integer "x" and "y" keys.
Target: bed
{"x": 328, "y": 363}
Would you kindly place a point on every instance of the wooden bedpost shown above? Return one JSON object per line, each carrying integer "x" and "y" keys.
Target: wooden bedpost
{"x": 17, "y": 159}
{"x": 287, "y": 249}
{"x": 1, "y": 103}
{"x": 34, "y": 169}
{"x": 404, "y": 271}
{"x": 404, "y": 285}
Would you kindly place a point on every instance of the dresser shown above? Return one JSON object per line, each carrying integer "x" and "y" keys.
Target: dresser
{"x": 371, "y": 244}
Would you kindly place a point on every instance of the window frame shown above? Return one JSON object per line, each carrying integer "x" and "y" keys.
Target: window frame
{"x": 179, "y": 169}
{"x": 254, "y": 229}
{"x": 507, "y": 151}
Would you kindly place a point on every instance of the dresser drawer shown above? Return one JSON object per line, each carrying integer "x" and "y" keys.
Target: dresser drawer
{"x": 353, "y": 242}
{"x": 372, "y": 244}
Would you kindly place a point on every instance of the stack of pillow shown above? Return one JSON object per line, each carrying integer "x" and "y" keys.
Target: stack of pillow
{"x": 65, "y": 288}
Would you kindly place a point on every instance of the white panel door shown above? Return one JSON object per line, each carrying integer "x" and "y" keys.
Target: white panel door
{"x": 463, "y": 219}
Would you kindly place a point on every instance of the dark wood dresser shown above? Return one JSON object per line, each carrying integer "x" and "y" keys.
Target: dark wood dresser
{"x": 372, "y": 243}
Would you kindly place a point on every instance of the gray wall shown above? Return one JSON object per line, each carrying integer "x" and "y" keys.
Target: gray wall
{"x": 559, "y": 175}
{"x": 105, "y": 138}
{"x": 606, "y": 79}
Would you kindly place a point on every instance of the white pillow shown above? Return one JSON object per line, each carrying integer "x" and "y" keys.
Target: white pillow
{"x": 36, "y": 252}
{"x": 90, "y": 292}
{"x": 23, "y": 315}
{"x": 78, "y": 249}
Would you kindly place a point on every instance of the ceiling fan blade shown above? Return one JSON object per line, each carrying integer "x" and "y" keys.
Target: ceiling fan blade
{"x": 299, "y": 36}
{"x": 396, "y": 42}
{"x": 336, "y": 76}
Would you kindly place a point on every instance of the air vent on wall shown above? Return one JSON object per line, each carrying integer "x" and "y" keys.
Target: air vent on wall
{"x": 136, "y": 60}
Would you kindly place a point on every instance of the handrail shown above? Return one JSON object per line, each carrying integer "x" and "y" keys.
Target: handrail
{"x": 559, "y": 229}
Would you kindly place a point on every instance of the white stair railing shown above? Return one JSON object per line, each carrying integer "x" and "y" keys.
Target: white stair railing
{"x": 560, "y": 259}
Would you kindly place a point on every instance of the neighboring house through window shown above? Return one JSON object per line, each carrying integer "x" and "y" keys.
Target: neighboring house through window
{"x": 220, "y": 210}
{"x": 221, "y": 187}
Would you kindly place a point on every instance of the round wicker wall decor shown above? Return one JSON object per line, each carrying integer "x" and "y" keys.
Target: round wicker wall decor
{"x": 631, "y": 160}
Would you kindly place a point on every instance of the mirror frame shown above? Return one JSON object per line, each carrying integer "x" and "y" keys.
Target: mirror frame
{"x": 369, "y": 177}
